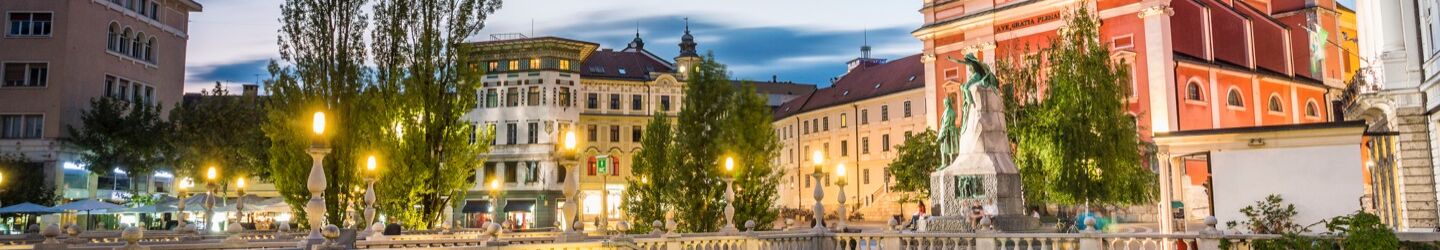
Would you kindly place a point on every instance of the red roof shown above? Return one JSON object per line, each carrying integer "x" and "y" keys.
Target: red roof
{"x": 861, "y": 83}
{"x": 636, "y": 64}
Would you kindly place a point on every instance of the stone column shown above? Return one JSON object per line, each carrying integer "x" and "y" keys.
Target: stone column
{"x": 1161, "y": 73}
{"x": 1417, "y": 175}
{"x": 1166, "y": 191}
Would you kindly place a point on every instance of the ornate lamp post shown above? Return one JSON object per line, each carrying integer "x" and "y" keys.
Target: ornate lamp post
{"x": 369, "y": 197}
{"x": 181, "y": 186}
{"x": 729, "y": 196}
{"x": 495, "y": 201}
{"x": 315, "y": 208}
{"x": 840, "y": 211}
{"x": 210, "y": 191}
{"x": 235, "y": 228}
{"x": 819, "y": 211}
{"x": 570, "y": 189}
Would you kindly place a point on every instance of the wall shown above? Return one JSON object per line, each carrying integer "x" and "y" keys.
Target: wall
{"x": 1320, "y": 187}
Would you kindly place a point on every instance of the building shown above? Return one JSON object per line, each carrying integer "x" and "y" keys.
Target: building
{"x": 1394, "y": 93}
{"x": 58, "y": 55}
{"x": 858, "y": 121}
{"x": 535, "y": 89}
{"x": 1196, "y": 64}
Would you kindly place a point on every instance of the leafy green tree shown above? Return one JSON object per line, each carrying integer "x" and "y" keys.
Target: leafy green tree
{"x": 115, "y": 134}
{"x": 419, "y": 71}
{"x": 22, "y": 184}
{"x": 1069, "y": 94}
{"x": 918, "y": 157}
{"x": 221, "y": 130}
{"x": 323, "y": 46}
{"x": 685, "y": 166}
{"x": 644, "y": 200}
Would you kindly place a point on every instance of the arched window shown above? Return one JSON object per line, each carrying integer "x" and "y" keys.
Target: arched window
{"x": 150, "y": 50}
{"x": 1193, "y": 91}
{"x": 137, "y": 46}
{"x": 125, "y": 41}
{"x": 1275, "y": 105}
{"x": 1312, "y": 109}
{"x": 113, "y": 37}
{"x": 1234, "y": 98}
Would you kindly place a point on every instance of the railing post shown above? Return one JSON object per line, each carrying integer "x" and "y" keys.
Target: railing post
{"x": 1090, "y": 239}
{"x": 1210, "y": 237}
{"x": 891, "y": 241}
{"x": 986, "y": 242}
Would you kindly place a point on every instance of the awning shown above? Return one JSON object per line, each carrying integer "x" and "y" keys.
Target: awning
{"x": 519, "y": 206}
{"x": 476, "y": 206}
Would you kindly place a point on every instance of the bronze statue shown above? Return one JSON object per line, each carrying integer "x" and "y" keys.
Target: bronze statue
{"x": 948, "y": 136}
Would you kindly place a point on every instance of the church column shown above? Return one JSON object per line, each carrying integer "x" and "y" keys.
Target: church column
{"x": 1166, "y": 190}
{"x": 1161, "y": 74}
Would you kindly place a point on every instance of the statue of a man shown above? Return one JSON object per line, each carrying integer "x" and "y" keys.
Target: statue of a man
{"x": 948, "y": 136}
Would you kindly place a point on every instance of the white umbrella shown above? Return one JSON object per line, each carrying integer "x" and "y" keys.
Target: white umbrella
{"x": 88, "y": 205}
{"x": 28, "y": 208}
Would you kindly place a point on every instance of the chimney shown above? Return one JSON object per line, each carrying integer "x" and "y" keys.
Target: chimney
{"x": 250, "y": 90}
{"x": 774, "y": 78}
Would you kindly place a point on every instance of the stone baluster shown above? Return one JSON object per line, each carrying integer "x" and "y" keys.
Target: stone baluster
{"x": 1210, "y": 237}
{"x": 1090, "y": 238}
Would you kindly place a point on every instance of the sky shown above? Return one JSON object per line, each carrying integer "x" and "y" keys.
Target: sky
{"x": 805, "y": 41}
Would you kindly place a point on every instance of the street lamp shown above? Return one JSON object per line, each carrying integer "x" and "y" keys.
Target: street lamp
{"x": 495, "y": 200}
{"x": 235, "y": 229}
{"x": 316, "y": 183}
{"x": 840, "y": 172}
{"x": 819, "y": 211}
{"x": 210, "y": 175}
{"x": 729, "y": 196}
{"x": 182, "y": 185}
{"x": 572, "y": 184}
{"x": 369, "y": 196}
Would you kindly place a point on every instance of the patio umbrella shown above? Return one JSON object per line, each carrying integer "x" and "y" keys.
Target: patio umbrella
{"x": 88, "y": 206}
{"x": 27, "y": 208}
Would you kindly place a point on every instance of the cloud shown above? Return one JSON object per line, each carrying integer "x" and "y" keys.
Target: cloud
{"x": 242, "y": 72}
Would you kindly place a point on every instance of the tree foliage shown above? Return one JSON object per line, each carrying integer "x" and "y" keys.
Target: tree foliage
{"x": 219, "y": 130}
{"x": 919, "y": 156}
{"x": 23, "y": 184}
{"x": 717, "y": 120}
{"x": 116, "y": 134}
{"x": 644, "y": 199}
{"x": 1071, "y": 93}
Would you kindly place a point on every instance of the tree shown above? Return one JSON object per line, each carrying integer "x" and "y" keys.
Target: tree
{"x": 219, "y": 130}
{"x": 1069, "y": 94}
{"x": 423, "y": 88}
{"x": 23, "y": 184}
{"x": 644, "y": 200}
{"x": 685, "y": 168}
{"x": 918, "y": 157}
{"x": 115, "y": 134}
{"x": 323, "y": 46}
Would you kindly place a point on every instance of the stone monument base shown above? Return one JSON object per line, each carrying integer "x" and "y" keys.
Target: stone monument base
{"x": 1003, "y": 223}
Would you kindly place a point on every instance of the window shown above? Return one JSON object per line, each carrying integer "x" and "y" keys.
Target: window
{"x": 30, "y": 24}
{"x": 807, "y": 182}
{"x": 514, "y": 65}
{"x": 826, "y": 123}
{"x": 635, "y": 133}
{"x": 510, "y": 134}
{"x": 136, "y": 45}
{"x": 473, "y": 132}
{"x": 25, "y": 74}
{"x": 154, "y": 14}
{"x": 885, "y": 143}
{"x": 843, "y": 122}
{"x": 113, "y": 41}
{"x": 665, "y": 103}
{"x": 614, "y": 133}
{"x": 907, "y": 109}
{"x": 622, "y": 71}
{"x": 110, "y": 82}
{"x": 865, "y": 176}
{"x": 844, "y": 148}
{"x": 592, "y": 101}
{"x": 124, "y": 88}
{"x": 492, "y": 66}
{"x": 564, "y": 64}
{"x": 535, "y": 63}
{"x": 149, "y": 95}
{"x": 1193, "y": 92}
{"x": 1312, "y": 109}
{"x": 865, "y": 145}
{"x": 1275, "y": 104}
{"x": 532, "y": 97}
{"x": 864, "y": 116}
{"x": 594, "y": 135}
{"x": 635, "y": 102}
{"x": 21, "y": 126}
{"x": 125, "y": 41}
{"x": 564, "y": 97}
{"x": 1234, "y": 98}
{"x": 884, "y": 113}
{"x": 492, "y": 99}
{"x": 149, "y": 55}
{"x": 533, "y": 130}
{"x": 806, "y": 128}
{"x": 614, "y": 101}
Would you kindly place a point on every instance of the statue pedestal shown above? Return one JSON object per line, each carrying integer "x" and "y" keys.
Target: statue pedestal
{"x": 982, "y": 173}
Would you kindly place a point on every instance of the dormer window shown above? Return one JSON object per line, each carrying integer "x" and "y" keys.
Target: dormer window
{"x": 877, "y": 85}
{"x": 622, "y": 71}
{"x": 597, "y": 69}
{"x": 912, "y": 78}
{"x": 846, "y": 93}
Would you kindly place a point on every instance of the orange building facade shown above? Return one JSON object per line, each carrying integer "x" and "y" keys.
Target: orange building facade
{"x": 1196, "y": 64}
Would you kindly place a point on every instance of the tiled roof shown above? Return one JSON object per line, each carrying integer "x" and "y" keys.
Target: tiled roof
{"x": 861, "y": 83}
{"x": 626, "y": 64}
{"x": 779, "y": 88}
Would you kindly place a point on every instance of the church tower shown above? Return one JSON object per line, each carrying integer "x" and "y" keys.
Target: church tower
{"x": 687, "y": 58}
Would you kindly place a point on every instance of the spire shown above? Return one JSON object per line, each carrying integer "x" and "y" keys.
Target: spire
{"x": 636, "y": 44}
{"x": 687, "y": 42}
{"x": 865, "y": 44}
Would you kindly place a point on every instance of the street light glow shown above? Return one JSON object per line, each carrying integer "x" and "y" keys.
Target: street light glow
{"x": 570, "y": 140}
{"x": 644, "y": 180}
{"x": 817, "y": 158}
{"x": 318, "y": 124}
{"x": 494, "y": 184}
{"x": 370, "y": 163}
{"x": 729, "y": 163}
{"x": 210, "y": 174}
{"x": 840, "y": 169}
{"x": 240, "y": 182}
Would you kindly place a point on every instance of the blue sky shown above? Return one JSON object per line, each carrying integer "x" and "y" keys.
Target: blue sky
{"x": 802, "y": 41}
